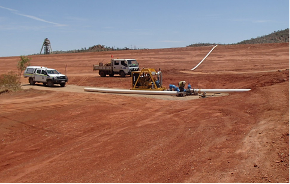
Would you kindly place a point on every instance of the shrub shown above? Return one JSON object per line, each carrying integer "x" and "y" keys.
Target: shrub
{"x": 9, "y": 82}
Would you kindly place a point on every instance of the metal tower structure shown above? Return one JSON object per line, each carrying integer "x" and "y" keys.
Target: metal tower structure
{"x": 46, "y": 47}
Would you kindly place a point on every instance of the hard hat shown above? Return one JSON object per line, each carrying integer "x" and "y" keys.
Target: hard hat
{"x": 182, "y": 82}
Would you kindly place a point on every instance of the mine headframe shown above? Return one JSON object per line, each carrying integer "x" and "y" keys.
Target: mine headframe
{"x": 46, "y": 47}
{"x": 147, "y": 79}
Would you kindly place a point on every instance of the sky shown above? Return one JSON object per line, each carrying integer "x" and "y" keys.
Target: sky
{"x": 76, "y": 24}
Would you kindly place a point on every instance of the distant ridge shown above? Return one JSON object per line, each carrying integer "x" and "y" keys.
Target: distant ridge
{"x": 275, "y": 37}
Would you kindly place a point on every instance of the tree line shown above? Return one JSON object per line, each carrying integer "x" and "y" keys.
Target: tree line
{"x": 281, "y": 36}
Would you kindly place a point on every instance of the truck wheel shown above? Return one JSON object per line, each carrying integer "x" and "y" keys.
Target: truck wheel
{"x": 102, "y": 74}
{"x": 122, "y": 73}
{"x": 31, "y": 82}
{"x": 50, "y": 83}
{"x": 62, "y": 84}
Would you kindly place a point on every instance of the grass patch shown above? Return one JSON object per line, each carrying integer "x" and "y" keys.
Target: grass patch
{"x": 9, "y": 82}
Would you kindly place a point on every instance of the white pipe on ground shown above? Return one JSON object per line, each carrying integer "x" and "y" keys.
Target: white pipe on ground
{"x": 204, "y": 58}
{"x": 149, "y": 92}
{"x": 127, "y": 91}
{"x": 219, "y": 90}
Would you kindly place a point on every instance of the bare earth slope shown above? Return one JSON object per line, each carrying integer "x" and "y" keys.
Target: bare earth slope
{"x": 67, "y": 135}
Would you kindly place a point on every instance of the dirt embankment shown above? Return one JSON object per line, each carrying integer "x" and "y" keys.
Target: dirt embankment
{"x": 66, "y": 135}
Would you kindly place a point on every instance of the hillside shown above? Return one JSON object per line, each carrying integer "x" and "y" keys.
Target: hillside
{"x": 67, "y": 135}
{"x": 275, "y": 37}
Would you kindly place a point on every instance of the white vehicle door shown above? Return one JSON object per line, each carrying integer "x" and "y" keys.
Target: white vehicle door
{"x": 37, "y": 75}
{"x": 40, "y": 75}
{"x": 116, "y": 66}
{"x": 124, "y": 66}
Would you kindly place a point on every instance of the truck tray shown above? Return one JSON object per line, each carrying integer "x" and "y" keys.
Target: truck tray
{"x": 97, "y": 67}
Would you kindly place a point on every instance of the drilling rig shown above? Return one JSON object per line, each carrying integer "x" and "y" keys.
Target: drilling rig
{"x": 46, "y": 47}
{"x": 147, "y": 79}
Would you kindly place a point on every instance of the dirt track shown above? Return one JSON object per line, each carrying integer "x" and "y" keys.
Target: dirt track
{"x": 61, "y": 136}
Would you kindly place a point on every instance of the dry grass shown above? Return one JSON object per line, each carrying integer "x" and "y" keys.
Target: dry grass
{"x": 9, "y": 82}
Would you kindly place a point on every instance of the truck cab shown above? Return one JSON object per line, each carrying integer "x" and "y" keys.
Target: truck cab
{"x": 124, "y": 66}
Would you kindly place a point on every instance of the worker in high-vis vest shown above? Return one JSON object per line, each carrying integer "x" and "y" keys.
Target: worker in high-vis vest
{"x": 181, "y": 85}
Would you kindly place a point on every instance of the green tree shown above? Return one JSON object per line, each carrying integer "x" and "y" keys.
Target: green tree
{"x": 22, "y": 64}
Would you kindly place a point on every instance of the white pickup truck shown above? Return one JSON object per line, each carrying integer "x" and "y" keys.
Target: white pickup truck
{"x": 47, "y": 76}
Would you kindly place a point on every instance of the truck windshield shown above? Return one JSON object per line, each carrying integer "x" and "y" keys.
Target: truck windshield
{"x": 132, "y": 63}
{"x": 52, "y": 72}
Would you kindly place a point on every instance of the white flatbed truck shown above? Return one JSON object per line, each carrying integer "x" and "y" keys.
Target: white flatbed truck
{"x": 122, "y": 67}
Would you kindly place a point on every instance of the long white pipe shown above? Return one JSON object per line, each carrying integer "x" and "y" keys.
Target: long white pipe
{"x": 127, "y": 91}
{"x": 204, "y": 58}
{"x": 219, "y": 90}
{"x": 148, "y": 92}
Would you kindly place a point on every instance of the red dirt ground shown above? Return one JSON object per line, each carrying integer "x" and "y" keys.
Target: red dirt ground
{"x": 65, "y": 135}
